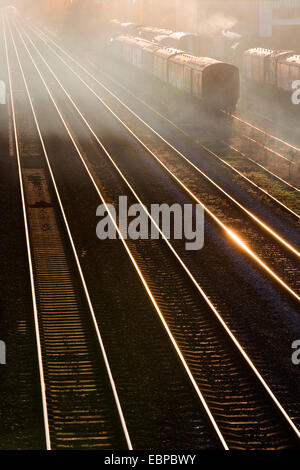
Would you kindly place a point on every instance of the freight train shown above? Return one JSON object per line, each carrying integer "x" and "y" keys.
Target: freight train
{"x": 210, "y": 80}
{"x": 225, "y": 45}
{"x": 276, "y": 69}
{"x": 279, "y": 70}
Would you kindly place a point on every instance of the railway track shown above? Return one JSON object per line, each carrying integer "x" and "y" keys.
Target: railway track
{"x": 258, "y": 175}
{"x": 265, "y": 116}
{"x": 255, "y": 173}
{"x": 273, "y": 152}
{"x": 18, "y": 385}
{"x": 247, "y": 134}
{"x": 74, "y": 378}
{"x": 235, "y": 159}
{"x": 208, "y": 345}
{"x": 186, "y": 172}
{"x": 80, "y": 402}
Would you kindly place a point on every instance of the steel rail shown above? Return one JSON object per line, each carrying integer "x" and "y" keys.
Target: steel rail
{"x": 71, "y": 240}
{"x": 252, "y": 126}
{"x": 212, "y": 153}
{"x": 235, "y": 237}
{"x": 199, "y": 143}
{"x": 181, "y": 155}
{"x": 266, "y": 118}
{"x": 29, "y": 255}
{"x": 144, "y": 282}
{"x": 186, "y": 134}
{"x": 190, "y": 275}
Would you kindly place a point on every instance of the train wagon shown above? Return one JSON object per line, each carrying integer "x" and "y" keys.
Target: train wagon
{"x": 131, "y": 49}
{"x": 272, "y": 66}
{"x": 150, "y": 55}
{"x": 288, "y": 71}
{"x": 187, "y": 42}
{"x": 129, "y": 28}
{"x": 161, "y": 62}
{"x": 215, "y": 82}
{"x": 149, "y": 33}
{"x": 226, "y": 45}
{"x": 255, "y": 64}
{"x": 162, "y": 40}
{"x": 262, "y": 65}
{"x": 223, "y": 46}
{"x": 275, "y": 69}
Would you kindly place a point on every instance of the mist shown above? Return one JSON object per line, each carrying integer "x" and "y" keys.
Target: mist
{"x": 215, "y": 24}
{"x": 85, "y": 29}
